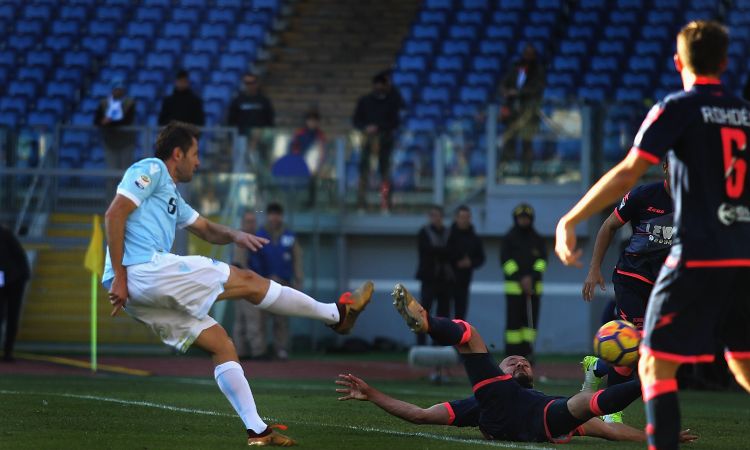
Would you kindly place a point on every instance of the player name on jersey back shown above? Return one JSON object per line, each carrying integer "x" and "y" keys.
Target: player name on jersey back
{"x": 738, "y": 117}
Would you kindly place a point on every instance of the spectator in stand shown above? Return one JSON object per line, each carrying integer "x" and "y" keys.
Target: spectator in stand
{"x": 523, "y": 256}
{"x": 467, "y": 254}
{"x": 183, "y": 105}
{"x": 14, "y": 273}
{"x": 113, "y": 114}
{"x": 250, "y": 108}
{"x": 522, "y": 88}
{"x": 309, "y": 143}
{"x": 280, "y": 261}
{"x": 435, "y": 270}
{"x": 377, "y": 117}
{"x": 248, "y": 332}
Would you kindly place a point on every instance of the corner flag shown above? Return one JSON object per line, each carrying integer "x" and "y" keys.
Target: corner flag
{"x": 94, "y": 262}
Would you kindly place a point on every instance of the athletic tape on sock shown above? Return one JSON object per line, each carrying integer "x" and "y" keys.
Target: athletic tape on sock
{"x": 273, "y": 294}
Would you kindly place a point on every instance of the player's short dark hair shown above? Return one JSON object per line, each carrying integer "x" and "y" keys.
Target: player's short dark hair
{"x": 181, "y": 74}
{"x": 274, "y": 208}
{"x": 175, "y": 134}
{"x": 380, "y": 79}
{"x": 437, "y": 208}
{"x": 463, "y": 208}
{"x": 705, "y": 46}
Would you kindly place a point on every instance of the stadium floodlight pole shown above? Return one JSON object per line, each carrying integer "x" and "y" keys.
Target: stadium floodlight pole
{"x": 94, "y": 262}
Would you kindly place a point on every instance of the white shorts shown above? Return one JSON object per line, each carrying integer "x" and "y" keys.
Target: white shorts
{"x": 172, "y": 295}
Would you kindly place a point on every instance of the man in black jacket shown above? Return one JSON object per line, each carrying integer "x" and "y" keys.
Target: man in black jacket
{"x": 377, "y": 117}
{"x": 183, "y": 105}
{"x": 435, "y": 270}
{"x": 14, "y": 273}
{"x": 250, "y": 108}
{"x": 467, "y": 254}
{"x": 523, "y": 256}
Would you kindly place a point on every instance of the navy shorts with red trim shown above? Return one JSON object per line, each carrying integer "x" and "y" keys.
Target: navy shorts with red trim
{"x": 511, "y": 412}
{"x": 692, "y": 310}
{"x": 631, "y": 295}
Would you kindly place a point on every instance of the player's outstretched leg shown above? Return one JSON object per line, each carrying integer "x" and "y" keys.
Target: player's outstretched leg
{"x": 443, "y": 331}
{"x": 586, "y": 404}
{"x": 658, "y": 377}
{"x": 286, "y": 301}
{"x": 232, "y": 382}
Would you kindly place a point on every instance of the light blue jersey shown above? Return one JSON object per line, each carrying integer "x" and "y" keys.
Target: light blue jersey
{"x": 160, "y": 209}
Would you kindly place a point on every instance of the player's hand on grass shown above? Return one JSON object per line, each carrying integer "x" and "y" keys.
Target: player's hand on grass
{"x": 687, "y": 436}
{"x": 354, "y": 388}
{"x": 593, "y": 279}
{"x": 118, "y": 294}
{"x": 565, "y": 244}
{"x": 250, "y": 241}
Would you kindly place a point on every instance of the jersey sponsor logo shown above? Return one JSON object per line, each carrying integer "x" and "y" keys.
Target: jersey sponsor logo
{"x": 729, "y": 214}
{"x": 660, "y": 234}
{"x": 655, "y": 210}
{"x": 142, "y": 181}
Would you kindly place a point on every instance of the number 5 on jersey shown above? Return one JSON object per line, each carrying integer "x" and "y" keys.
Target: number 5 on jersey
{"x": 172, "y": 207}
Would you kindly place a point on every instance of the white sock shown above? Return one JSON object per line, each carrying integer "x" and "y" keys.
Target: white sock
{"x": 291, "y": 302}
{"x": 231, "y": 380}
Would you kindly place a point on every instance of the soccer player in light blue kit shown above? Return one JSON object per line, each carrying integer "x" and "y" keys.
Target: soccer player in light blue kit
{"x": 172, "y": 294}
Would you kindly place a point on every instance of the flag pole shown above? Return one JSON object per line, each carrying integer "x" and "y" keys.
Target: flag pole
{"x": 94, "y": 283}
{"x": 93, "y": 262}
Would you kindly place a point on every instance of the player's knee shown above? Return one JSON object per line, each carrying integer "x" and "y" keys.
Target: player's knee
{"x": 741, "y": 370}
{"x": 646, "y": 369}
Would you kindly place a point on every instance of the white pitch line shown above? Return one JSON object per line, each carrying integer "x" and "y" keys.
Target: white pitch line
{"x": 432, "y": 436}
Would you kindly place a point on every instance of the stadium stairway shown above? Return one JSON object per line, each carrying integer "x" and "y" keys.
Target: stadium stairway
{"x": 328, "y": 54}
{"x": 57, "y": 302}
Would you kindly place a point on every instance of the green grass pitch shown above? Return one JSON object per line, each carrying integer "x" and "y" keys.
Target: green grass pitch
{"x": 112, "y": 412}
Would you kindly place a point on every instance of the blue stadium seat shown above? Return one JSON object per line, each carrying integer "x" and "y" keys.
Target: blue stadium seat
{"x": 568, "y": 47}
{"x": 421, "y": 125}
{"x": 511, "y": 4}
{"x": 213, "y": 30}
{"x": 597, "y": 79}
{"x": 428, "y": 110}
{"x": 456, "y": 47}
{"x": 214, "y": 112}
{"x": 81, "y": 118}
{"x": 153, "y": 76}
{"x": 642, "y": 63}
{"x": 590, "y": 17}
{"x": 251, "y": 31}
{"x": 40, "y": 58}
{"x": 180, "y": 30}
{"x": 100, "y": 89}
{"x": 221, "y": 93}
{"x": 500, "y": 32}
{"x": 185, "y": 15}
{"x": 648, "y": 48}
{"x": 668, "y": 4}
{"x": 482, "y": 5}
{"x": 89, "y": 104}
{"x": 604, "y": 64}
{"x": 168, "y": 45}
{"x": 95, "y": 45}
{"x": 487, "y": 64}
{"x": 428, "y": 17}
{"x": 196, "y": 61}
{"x": 228, "y": 77}
{"x": 73, "y": 12}
{"x": 109, "y": 13}
{"x": 407, "y": 63}
{"x": 464, "y": 109}
{"x": 473, "y": 94}
{"x": 449, "y": 63}
{"x": 433, "y": 94}
{"x": 585, "y": 32}
{"x": 568, "y": 149}
{"x": 566, "y": 63}
{"x": 131, "y": 44}
{"x": 401, "y": 78}
{"x": 7, "y": 58}
{"x": 205, "y": 45}
{"x": 68, "y": 74}
{"x": 546, "y": 5}
{"x": 639, "y": 80}
{"x": 418, "y": 47}
{"x": 16, "y": 104}
{"x": 462, "y": 32}
{"x": 699, "y": 14}
{"x": 272, "y": 5}
{"x": 469, "y": 17}
{"x": 229, "y": 4}
{"x": 486, "y": 80}
{"x": 62, "y": 89}
{"x": 21, "y": 43}
{"x": 543, "y": 18}
{"x": 29, "y": 27}
{"x": 42, "y": 119}
{"x": 160, "y": 3}
{"x": 111, "y": 73}
{"x": 58, "y": 44}
{"x": 611, "y": 48}
{"x": 264, "y": 18}
{"x": 493, "y": 48}
{"x": 123, "y": 60}
{"x": 442, "y": 79}
{"x": 51, "y": 104}
{"x": 591, "y": 94}
{"x": 425, "y": 32}
{"x": 9, "y": 118}
{"x": 141, "y": 29}
{"x": 66, "y": 27}
{"x": 35, "y": 11}
{"x": 104, "y": 28}
{"x": 223, "y": 16}
{"x": 143, "y": 91}
{"x": 7, "y": 10}
{"x": 35, "y": 74}
{"x": 438, "y": 4}
{"x": 630, "y": 4}
{"x": 617, "y": 17}
{"x": 233, "y": 62}
{"x": 556, "y": 94}
{"x": 560, "y": 80}
{"x": 22, "y": 89}
{"x": 508, "y": 18}
{"x": 617, "y": 32}
{"x": 149, "y": 14}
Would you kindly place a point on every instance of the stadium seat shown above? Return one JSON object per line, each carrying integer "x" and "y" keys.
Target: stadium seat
{"x": 480, "y": 79}
{"x": 158, "y": 3}
{"x": 149, "y": 14}
{"x": 250, "y": 31}
{"x": 272, "y": 5}
{"x": 449, "y": 63}
{"x": 473, "y": 94}
{"x": 50, "y": 104}
{"x": 62, "y": 89}
{"x": 556, "y": 94}
{"x": 40, "y": 58}
{"x": 560, "y": 79}
{"x": 456, "y": 47}
{"x": 229, "y": 4}
{"x": 196, "y": 61}
{"x": 648, "y": 48}
{"x": 123, "y": 60}
{"x": 35, "y": 74}
{"x": 592, "y": 94}
{"x": 109, "y": 13}
{"x": 428, "y": 110}
{"x": 639, "y": 63}
{"x": 401, "y": 78}
{"x": 226, "y": 77}
{"x": 58, "y": 44}
{"x": 153, "y": 76}
{"x": 95, "y": 45}
{"x": 500, "y": 32}
{"x": 141, "y": 29}
{"x": 604, "y": 64}
{"x": 618, "y": 17}
{"x": 9, "y": 118}
{"x": 634, "y": 95}
{"x": 222, "y": 16}
{"x": 189, "y": 16}
{"x": 493, "y": 48}
{"x": 67, "y": 74}
{"x": 511, "y": 4}
{"x": 487, "y": 64}
{"x": 425, "y": 32}
{"x": 421, "y": 124}
{"x": 100, "y": 89}
{"x": 428, "y": 17}
{"x": 543, "y": 18}
{"x": 418, "y": 47}
{"x": 464, "y": 110}
{"x": 442, "y": 79}
{"x": 411, "y": 63}
{"x": 22, "y": 88}
{"x": 42, "y": 119}
{"x": 20, "y": 43}
{"x": 481, "y": 5}
{"x": 462, "y": 32}
{"x": 581, "y": 32}
{"x": 617, "y": 32}
{"x": 506, "y": 18}
{"x": 103, "y": 28}
{"x": 469, "y": 17}
{"x": 611, "y": 48}
{"x": 438, "y": 4}
{"x": 566, "y": 63}
{"x": 168, "y": 45}
{"x": 179, "y": 30}
{"x": 66, "y": 27}
{"x": 660, "y": 17}
{"x": 213, "y": 30}
{"x": 639, "y": 80}
{"x": 142, "y": 91}
{"x": 15, "y": 104}
{"x": 630, "y": 4}
{"x": 432, "y": 94}
{"x": 205, "y": 46}
{"x": 73, "y": 12}
{"x": 29, "y": 27}
{"x": 233, "y": 62}
{"x": 221, "y": 93}
{"x": 597, "y": 79}
{"x": 36, "y": 11}
{"x": 131, "y": 44}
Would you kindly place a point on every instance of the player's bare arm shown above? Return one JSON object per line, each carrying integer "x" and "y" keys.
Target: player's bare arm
{"x": 114, "y": 226}
{"x": 355, "y": 388}
{"x": 622, "y": 432}
{"x": 216, "y": 233}
{"x": 611, "y": 187}
{"x": 603, "y": 239}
